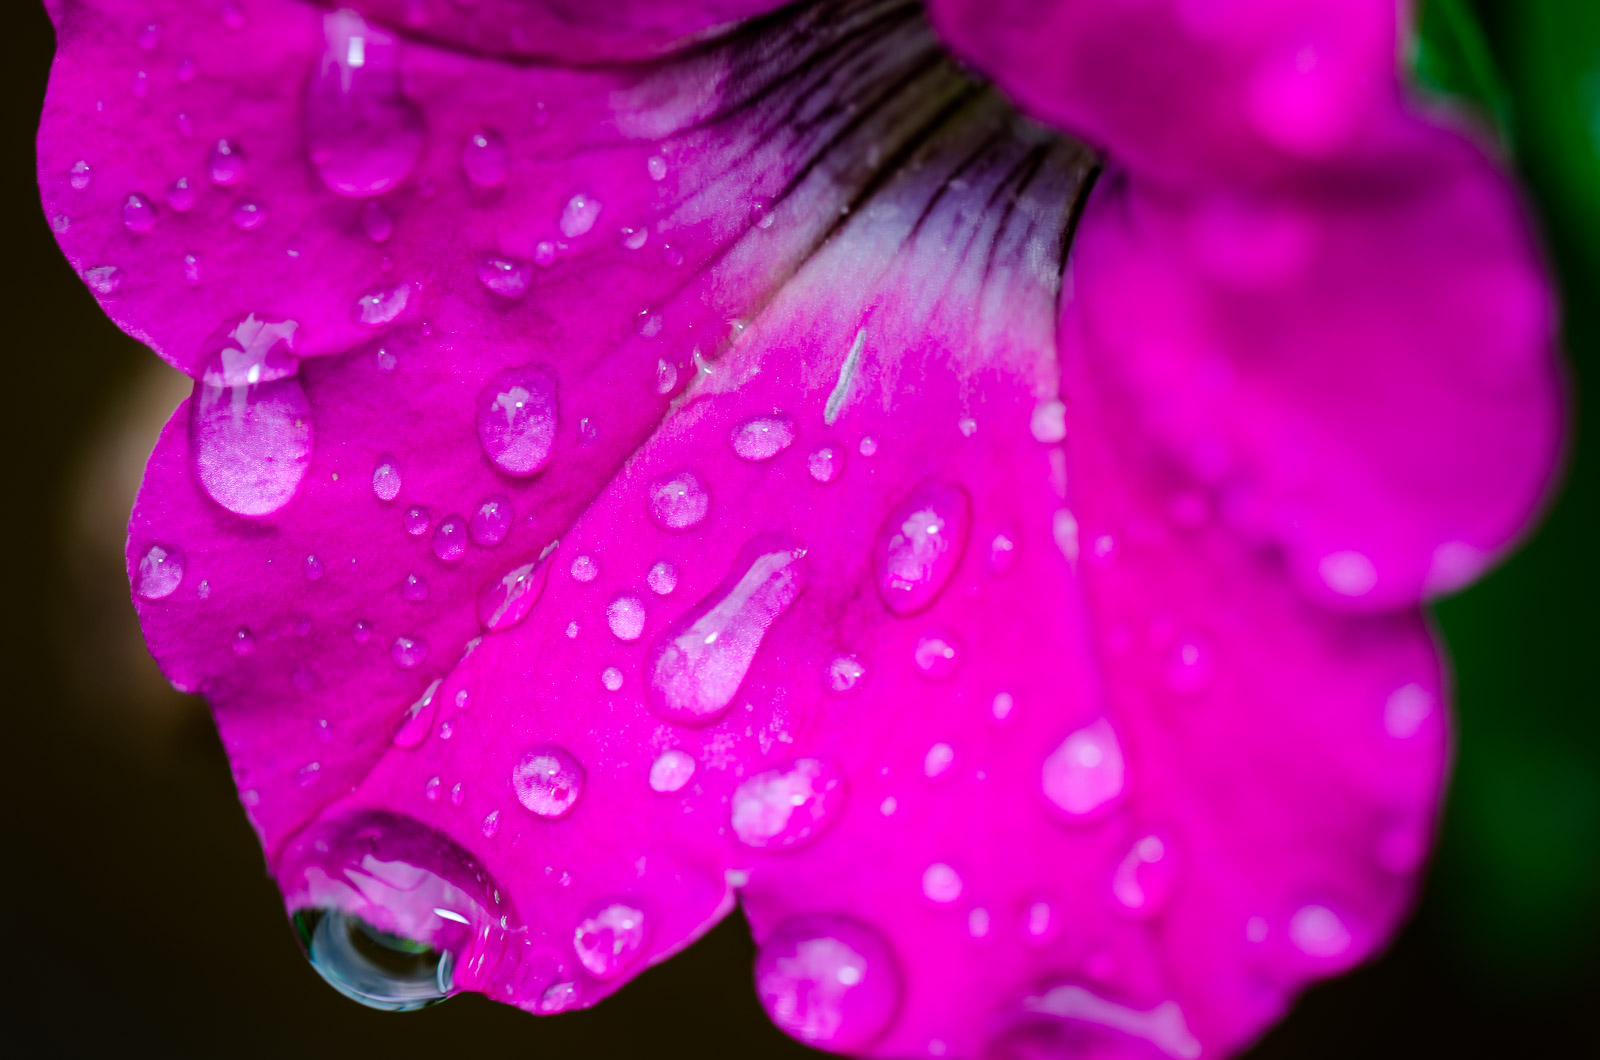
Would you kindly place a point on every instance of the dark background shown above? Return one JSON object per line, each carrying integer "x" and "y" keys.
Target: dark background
{"x": 140, "y": 918}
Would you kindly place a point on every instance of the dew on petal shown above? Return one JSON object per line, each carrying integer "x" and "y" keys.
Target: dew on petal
{"x": 104, "y": 279}
{"x": 416, "y": 520}
{"x": 762, "y": 438}
{"x": 1406, "y": 709}
{"x": 408, "y": 652}
{"x": 160, "y": 572}
{"x": 780, "y": 808}
{"x": 226, "y": 164}
{"x": 386, "y": 479}
{"x": 941, "y": 883}
{"x": 376, "y": 222}
{"x": 824, "y": 464}
{"x": 414, "y": 588}
{"x": 633, "y": 237}
{"x": 457, "y": 795}
{"x": 671, "y": 771}
{"x": 920, "y": 545}
{"x": 608, "y": 939}
{"x": 138, "y": 215}
{"x": 844, "y": 673}
{"x": 935, "y": 655}
{"x": 507, "y": 600}
{"x": 978, "y": 922}
{"x": 558, "y": 997}
{"x": 484, "y": 158}
{"x": 666, "y": 377}
{"x": 1086, "y": 771}
{"x": 697, "y": 670}
{"x": 362, "y": 134}
{"x": 1317, "y": 931}
{"x": 517, "y": 419}
{"x": 610, "y": 677}
{"x": 1049, "y": 422}
{"x": 250, "y": 429}
{"x": 191, "y": 270}
{"x": 180, "y": 195}
{"x": 80, "y": 176}
{"x": 248, "y": 216}
{"x": 656, "y": 166}
{"x": 1064, "y": 529}
{"x": 584, "y": 569}
{"x": 491, "y": 522}
{"x": 491, "y": 824}
{"x": 417, "y": 721}
{"x": 548, "y": 781}
{"x": 1163, "y": 1026}
{"x": 506, "y": 277}
{"x": 430, "y": 790}
{"x": 361, "y": 631}
{"x": 868, "y": 446}
{"x": 648, "y": 323}
{"x": 312, "y": 567}
{"x": 1144, "y": 879}
{"x": 663, "y": 578}
{"x": 938, "y": 760}
{"x": 679, "y": 502}
{"x": 382, "y": 306}
{"x": 544, "y": 254}
{"x": 625, "y": 616}
{"x": 579, "y": 215}
{"x": 244, "y": 642}
{"x": 828, "y": 981}
{"x": 1348, "y": 573}
{"x": 450, "y": 539}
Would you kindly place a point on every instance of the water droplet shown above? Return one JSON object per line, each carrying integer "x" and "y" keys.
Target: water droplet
{"x": 1348, "y": 573}
{"x": 517, "y": 419}
{"x": 313, "y": 568}
{"x": 679, "y": 502}
{"x": 491, "y": 824}
{"x": 780, "y": 808}
{"x": 362, "y": 133}
{"x": 430, "y": 790}
{"x": 671, "y": 254}
{"x": 141, "y": 84}
{"x": 462, "y": 697}
{"x": 1144, "y": 880}
{"x": 484, "y": 159}
{"x": 633, "y": 237}
{"x": 244, "y": 642}
{"x": 191, "y": 270}
{"x": 1086, "y": 772}
{"x": 888, "y": 806}
{"x": 376, "y": 222}
{"x": 1064, "y": 529}
{"x": 761, "y": 215}
{"x": 671, "y": 771}
{"x": 504, "y": 276}
{"x": 584, "y": 569}
{"x": 160, "y": 572}
{"x": 941, "y": 883}
{"x": 185, "y": 70}
{"x": 920, "y": 545}
{"x": 1001, "y": 706}
{"x": 383, "y": 306}
{"x": 1189, "y": 669}
{"x": 868, "y": 446}
{"x": 1403, "y": 712}
{"x": 625, "y": 615}
{"x": 408, "y": 652}
{"x": 656, "y": 166}
{"x": 663, "y": 578}
{"x": 450, "y": 540}
{"x": 1317, "y": 931}
{"x": 648, "y": 323}
{"x": 762, "y": 438}
{"x": 138, "y": 215}
{"x": 149, "y": 37}
{"x": 248, "y": 216}
{"x": 250, "y": 422}
{"x": 548, "y": 781}
{"x": 978, "y": 923}
{"x": 544, "y": 254}
{"x": 385, "y": 360}
{"x": 1049, "y": 422}
{"x": 457, "y": 795}
{"x": 361, "y": 631}
{"x": 180, "y": 196}
{"x": 938, "y": 760}
{"x": 828, "y": 981}
{"x": 697, "y": 670}
{"x": 491, "y": 522}
{"x": 225, "y": 166}
{"x": 608, "y": 939}
{"x": 579, "y": 215}
{"x": 844, "y": 673}
{"x": 386, "y": 479}
{"x": 666, "y": 377}
{"x": 80, "y": 176}
{"x": 417, "y": 721}
{"x": 558, "y": 997}
{"x": 184, "y": 124}
{"x": 104, "y": 279}
{"x": 935, "y": 655}
{"x": 416, "y": 520}
{"x": 414, "y": 588}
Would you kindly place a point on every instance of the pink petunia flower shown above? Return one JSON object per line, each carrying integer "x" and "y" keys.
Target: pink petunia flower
{"x": 651, "y": 456}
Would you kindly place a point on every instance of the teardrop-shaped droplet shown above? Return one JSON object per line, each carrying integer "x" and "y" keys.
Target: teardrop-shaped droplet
{"x": 579, "y": 215}
{"x": 1086, "y": 772}
{"x": 160, "y": 572}
{"x": 829, "y": 981}
{"x": 671, "y": 771}
{"x": 762, "y": 438}
{"x": 248, "y": 216}
{"x": 548, "y": 781}
{"x": 414, "y": 588}
{"x": 418, "y": 720}
{"x": 920, "y": 545}
{"x": 180, "y": 195}
{"x": 491, "y": 522}
{"x": 138, "y": 214}
{"x": 363, "y": 134}
{"x": 697, "y": 670}
{"x": 679, "y": 502}
{"x": 507, "y": 600}
{"x": 249, "y": 421}
{"x": 450, "y": 540}
{"x": 484, "y": 158}
{"x": 408, "y": 652}
{"x": 782, "y": 807}
{"x": 608, "y": 939}
{"x": 226, "y": 164}
{"x": 517, "y": 418}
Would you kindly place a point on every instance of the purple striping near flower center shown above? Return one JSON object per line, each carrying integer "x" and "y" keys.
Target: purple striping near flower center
{"x": 990, "y": 518}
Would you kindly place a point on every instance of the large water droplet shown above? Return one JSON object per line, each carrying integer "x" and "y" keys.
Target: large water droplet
{"x": 383, "y": 306}
{"x": 450, "y": 540}
{"x": 938, "y": 760}
{"x": 697, "y": 671}
{"x": 762, "y": 438}
{"x": 491, "y": 522}
{"x": 609, "y": 938}
{"x": 160, "y": 572}
{"x": 548, "y": 781}
{"x": 138, "y": 215}
{"x": 920, "y": 545}
{"x": 1086, "y": 771}
{"x": 418, "y": 720}
{"x": 249, "y": 421}
{"x": 1144, "y": 879}
{"x": 584, "y": 569}
{"x": 671, "y": 771}
{"x": 363, "y": 134}
{"x": 679, "y": 502}
{"x": 517, "y": 418}
{"x": 625, "y": 616}
{"x": 941, "y": 883}
{"x": 408, "y": 652}
{"x": 504, "y": 276}
{"x": 828, "y": 981}
{"x": 226, "y": 164}
{"x": 579, "y": 215}
{"x": 484, "y": 158}
{"x": 386, "y": 479}
{"x": 782, "y": 807}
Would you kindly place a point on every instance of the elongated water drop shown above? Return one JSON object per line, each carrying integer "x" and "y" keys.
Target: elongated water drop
{"x": 363, "y": 134}
{"x": 829, "y": 981}
{"x": 920, "y": 545}
{"x": 782, "y": 807}
{"x": 517, "y": 419}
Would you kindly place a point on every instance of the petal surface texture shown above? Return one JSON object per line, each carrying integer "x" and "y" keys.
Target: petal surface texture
{"x": 640, "y": 464}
